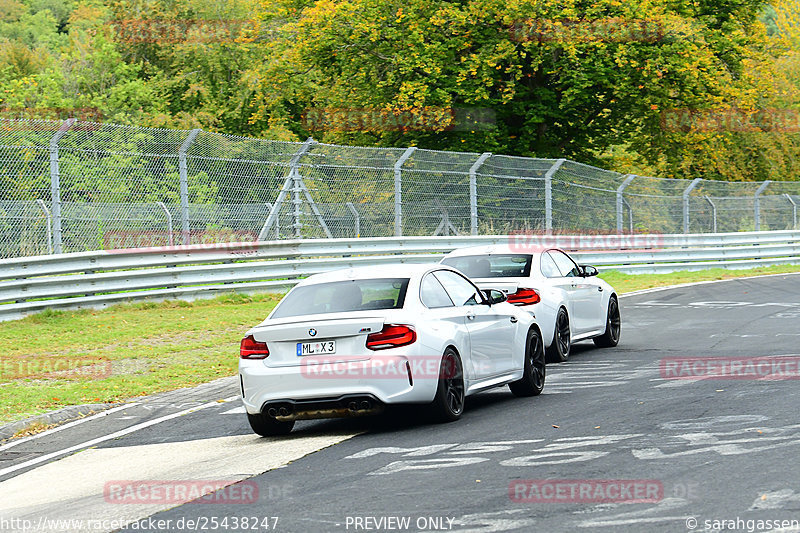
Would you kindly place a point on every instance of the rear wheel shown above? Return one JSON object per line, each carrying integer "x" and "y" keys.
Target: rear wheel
{"x": 532, "y": 382}
{"x": 448, "y": 404}
{"x": 558, "y": 352}
{"x": 266, "y": 426}
{"x": 610, "y": 338}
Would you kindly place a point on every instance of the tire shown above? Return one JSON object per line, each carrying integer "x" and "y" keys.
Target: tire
{"x": 266, "y": 426}
{"x": 448, "y": 404}
{"x": 532, "y": 382}
{"x": 558, "y": 352}
{"x": 610, "y": 338}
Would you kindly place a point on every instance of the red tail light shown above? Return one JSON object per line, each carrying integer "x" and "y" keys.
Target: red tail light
{"x": 524, "y": 297}
{"x": 391, "y": 336}
{"x": 250, "y": 348}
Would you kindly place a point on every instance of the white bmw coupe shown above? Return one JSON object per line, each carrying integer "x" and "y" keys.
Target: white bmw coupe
{"x": 570, "y": 302}
{"x": 349, "y": 342}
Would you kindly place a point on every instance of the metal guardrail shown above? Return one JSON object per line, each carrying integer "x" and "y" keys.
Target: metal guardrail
{"x": 96, "y": 279}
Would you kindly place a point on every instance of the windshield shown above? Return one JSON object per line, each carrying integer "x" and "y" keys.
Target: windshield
{"x": 492, "y": 266}
{"x": 343, "y": 296}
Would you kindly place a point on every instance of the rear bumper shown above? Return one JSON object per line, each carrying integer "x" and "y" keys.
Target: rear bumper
{"x": 264, "y": 387}
{"x": 343, "y": 406}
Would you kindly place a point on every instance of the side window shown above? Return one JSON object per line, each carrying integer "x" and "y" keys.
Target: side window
{"x": 461, "y": 291}
{"x": 566, "y": 265}
{"x": 433, "y": 294}
{"x": 548, "y": 266}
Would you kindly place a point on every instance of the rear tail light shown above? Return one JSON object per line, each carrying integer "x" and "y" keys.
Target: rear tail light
{"x": 524, "y": 297}
{"x": 250, "y": 348}
{"x": 391, "y": 336}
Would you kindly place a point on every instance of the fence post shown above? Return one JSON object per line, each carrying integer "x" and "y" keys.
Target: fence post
{"x": 794, "y": 209}
{"x": 473, "y": 192}
{"x": 398, "y": 191}
{"x": 548, "y": 195}
{"x": 628, "y": 179}
{"x": 352, "y": 209}
{"x": 686, "y": 192}
{"x": 49, "y": 218}
{"x": 713, "y": 213}
{"x": 757, "y": 204}
{"x": 169, "y": 222}
{"x": 184, "y": 185}
{"x": 55, "y": 182}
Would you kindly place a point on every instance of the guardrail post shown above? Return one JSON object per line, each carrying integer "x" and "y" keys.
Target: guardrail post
{"x": 757, "y": 204}
{"x": 713, "y": 213}
{"x": 398, "y": 191}
{"x": 548, "y": 194}
{"x": 49, "y": 218}
{"x": 169, "y": 222}
{"x": 183, "y": 169}
{"x": 686, "y": 192}
{"x": 473, "y": 192}
{"x": 55, "y": 182}
{"x": 357, "y": 224}
{"x": 620, "y": 200}
{"x": 794, "y": 209}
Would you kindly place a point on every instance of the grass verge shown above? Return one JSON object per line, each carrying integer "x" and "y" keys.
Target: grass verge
{"x": 156, "y": 347}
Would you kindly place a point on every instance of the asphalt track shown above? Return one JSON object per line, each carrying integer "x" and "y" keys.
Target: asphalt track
{"x": 711, "y": 454}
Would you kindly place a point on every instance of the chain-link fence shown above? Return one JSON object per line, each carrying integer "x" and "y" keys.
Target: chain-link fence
{"x": 76, "y": 186}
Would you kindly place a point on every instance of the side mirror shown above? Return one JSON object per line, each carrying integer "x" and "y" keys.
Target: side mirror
{"x": 493, "y": 296}
{"x": 589, "y": 271}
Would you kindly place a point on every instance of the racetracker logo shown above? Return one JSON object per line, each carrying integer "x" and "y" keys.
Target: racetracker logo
{"x": 27, "y": 118}
{"x": 539, "y": 241}
{"x": 410, "y": 119}
{"x": 686, "y": 120}
{"x": 180, "y": 491}
{"x": 56, "y": 367}
{"x": 173, "y": 31}
{"x": 236, "y": 241}
{"x": 767, "y": 368}
{"x": 586, "y": 491}
{"x": 408, "y": 368}
{"x": 615, "y": 30}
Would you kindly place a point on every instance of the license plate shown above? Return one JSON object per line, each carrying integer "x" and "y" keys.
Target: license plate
{"x": 316, "y": 348}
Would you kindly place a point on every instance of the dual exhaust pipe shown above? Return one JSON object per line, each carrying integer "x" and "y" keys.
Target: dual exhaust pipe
{"x": 344, "y": 406}
{"x": 278, "y": 411}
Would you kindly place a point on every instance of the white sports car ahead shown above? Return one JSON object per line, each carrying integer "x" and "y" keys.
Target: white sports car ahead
{"x": 346, "y": 343}
{"x": 569, "y": 301}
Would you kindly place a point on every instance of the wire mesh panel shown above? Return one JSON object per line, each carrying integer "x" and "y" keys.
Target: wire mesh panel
{"x": 122, "y": 187}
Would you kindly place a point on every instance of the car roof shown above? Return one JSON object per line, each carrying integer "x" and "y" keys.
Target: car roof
{"x": 393, "y": 270}
{"x": 499, "y": 249}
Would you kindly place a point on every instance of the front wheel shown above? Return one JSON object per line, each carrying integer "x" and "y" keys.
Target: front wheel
{"x": 266, "y": 426}
{"x": 558, "y": 352}
{"x": 532, "y": 382}
{"x": 610, "y": 338}
{"x": 448, "y": 404}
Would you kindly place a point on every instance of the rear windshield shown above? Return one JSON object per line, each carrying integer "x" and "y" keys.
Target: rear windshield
{"x": 342, "y": 296}
{"x": 492, "y": 266}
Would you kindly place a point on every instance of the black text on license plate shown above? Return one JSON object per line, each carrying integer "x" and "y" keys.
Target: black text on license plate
{"x": 316, "y": 348}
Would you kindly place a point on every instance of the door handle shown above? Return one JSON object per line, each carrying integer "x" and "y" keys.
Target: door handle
{"x": 600, "y": 289}
{"x": 470, "y": 316}
{"x": 513, "y": 319}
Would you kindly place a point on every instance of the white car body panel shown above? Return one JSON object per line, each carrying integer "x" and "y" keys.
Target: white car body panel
{"x": 491, "y": 346}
